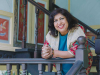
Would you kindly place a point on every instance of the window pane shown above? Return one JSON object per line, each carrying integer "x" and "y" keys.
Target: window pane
{"x": 6, "y": 5}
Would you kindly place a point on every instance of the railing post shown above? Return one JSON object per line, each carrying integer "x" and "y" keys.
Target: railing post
{"x": 24, "y": 69}
{"x": 40, "y": 69}
{"x": 24, "y": 22}
{"x": 36, "y": 32}
{"x": 9, "y": 67}
{"x": 82, "y": 54}
{"x": 50, "y": 66}
{"x": 18, "y": 67}
{"x": 97, "y": 50}
{"x": 58, "y": 68}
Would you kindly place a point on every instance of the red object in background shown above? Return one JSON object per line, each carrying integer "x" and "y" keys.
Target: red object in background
{"x": 41, "y": 25}
{"x": 21, "y": 19}
{"x": 4, "y": 29}
{"x": 91, "y": 36}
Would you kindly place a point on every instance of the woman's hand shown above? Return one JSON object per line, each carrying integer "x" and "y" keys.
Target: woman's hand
{"x": 46, "y": 52}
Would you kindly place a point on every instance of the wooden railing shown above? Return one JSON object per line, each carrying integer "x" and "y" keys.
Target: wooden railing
{"x": 79, "y": 61}
{"x": 24, "y": 61}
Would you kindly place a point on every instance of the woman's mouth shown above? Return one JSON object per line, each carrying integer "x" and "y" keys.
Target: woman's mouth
{"x": 61, "y": 26}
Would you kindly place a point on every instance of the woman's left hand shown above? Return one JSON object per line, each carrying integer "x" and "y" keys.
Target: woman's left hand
{"x": 46, "y": 51}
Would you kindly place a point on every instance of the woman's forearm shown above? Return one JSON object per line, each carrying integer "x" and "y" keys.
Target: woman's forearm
{"x": 62, "y": 54}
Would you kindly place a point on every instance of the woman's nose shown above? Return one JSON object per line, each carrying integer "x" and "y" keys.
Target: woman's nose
{"x": 59, "y": 22}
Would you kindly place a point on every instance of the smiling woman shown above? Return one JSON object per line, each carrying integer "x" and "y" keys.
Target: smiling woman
{"x": 61, "y": 39}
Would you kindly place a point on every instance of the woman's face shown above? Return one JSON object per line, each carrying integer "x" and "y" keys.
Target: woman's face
{"x": 61, "y": 24}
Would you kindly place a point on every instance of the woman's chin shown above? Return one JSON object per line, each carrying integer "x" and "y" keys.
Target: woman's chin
{"x": 63, "y": 32}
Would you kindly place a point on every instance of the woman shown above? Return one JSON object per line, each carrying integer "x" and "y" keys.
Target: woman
{"x": 61, "y": 40}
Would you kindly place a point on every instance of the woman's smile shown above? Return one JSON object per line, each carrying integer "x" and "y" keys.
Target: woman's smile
{"x": 61, "y": 26}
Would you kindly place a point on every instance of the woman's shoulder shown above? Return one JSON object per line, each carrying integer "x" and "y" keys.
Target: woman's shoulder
{"x": 49, "y": 36}
{"x": 75, "y": 33}
{"x": 77, "y": 29}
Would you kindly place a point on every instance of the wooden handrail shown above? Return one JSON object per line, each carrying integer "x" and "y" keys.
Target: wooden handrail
{"x": 40, "y": 7}
{"x": 35, "y": 60}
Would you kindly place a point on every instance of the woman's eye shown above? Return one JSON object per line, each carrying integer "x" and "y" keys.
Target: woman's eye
{"x": 55, "y": 20}
{"x": 61, "y": 18}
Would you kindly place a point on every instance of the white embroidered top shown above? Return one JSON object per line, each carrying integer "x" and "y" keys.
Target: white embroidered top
{"x": 73, "y": 34}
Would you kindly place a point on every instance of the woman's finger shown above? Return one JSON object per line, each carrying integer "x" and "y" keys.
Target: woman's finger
{"x": 46, "y": 56}
{"x": 46, "y": 52}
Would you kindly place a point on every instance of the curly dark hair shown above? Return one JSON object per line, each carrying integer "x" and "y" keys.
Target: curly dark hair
{"x": 72, "y": 22}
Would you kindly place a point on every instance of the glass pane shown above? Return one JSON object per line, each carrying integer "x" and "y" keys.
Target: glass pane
{"x": 6, "y": 5}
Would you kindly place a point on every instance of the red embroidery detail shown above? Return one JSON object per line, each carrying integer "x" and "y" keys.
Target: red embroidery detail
{"x": 82, "y": 28}
{"x": 73, "y": 48}
{"x": 46, "y": 43}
